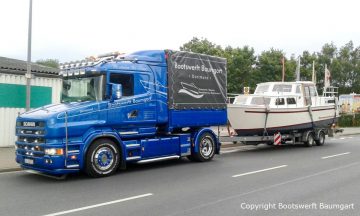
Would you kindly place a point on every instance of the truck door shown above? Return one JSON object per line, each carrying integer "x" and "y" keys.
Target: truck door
{"x": 135, "y": 113}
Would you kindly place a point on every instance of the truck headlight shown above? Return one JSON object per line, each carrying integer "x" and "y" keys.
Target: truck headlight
{"x": 54, "y": 151}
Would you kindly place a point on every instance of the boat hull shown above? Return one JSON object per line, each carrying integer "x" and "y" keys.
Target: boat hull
{"x": 249, "y": 120}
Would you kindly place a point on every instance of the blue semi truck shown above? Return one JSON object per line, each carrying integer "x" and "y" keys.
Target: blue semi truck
{"x": 141, "y": 107}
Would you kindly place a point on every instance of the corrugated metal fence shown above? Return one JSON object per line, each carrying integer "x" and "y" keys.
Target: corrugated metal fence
{"x": 8, "y": 115}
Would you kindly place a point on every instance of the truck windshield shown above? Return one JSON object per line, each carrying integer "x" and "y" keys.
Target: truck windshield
{"x": 77, "y": 89}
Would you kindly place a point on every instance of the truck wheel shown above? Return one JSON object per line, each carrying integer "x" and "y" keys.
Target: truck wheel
{"x": 309, "y": 141}
{"x": 321, "y": 139}
{"x": 102, "y": 158}
{"x": 206, "y": 148}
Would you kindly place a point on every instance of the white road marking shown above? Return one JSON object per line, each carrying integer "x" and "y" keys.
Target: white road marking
{"x": 257, "y": 171}
{"x": 341, "y": 138}
{"x": 331, "y": 156}
{"x": 266, "y": 188}
{"x": 99, "y": 205}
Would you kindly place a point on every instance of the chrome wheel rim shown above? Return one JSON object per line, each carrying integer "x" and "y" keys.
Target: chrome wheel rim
{"x": 311, "y": 139}
{"x": 322, "y": 138}
{"x": 104, "y": 158}
{"x": 206, "y": 147}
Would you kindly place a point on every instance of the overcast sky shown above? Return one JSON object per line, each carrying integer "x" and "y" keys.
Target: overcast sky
{"x": 73, "y": 29}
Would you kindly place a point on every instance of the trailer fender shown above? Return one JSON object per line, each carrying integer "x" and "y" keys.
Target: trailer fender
{"x": 195, "y": 139}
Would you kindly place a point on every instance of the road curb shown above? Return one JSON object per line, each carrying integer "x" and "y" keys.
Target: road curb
{"x": 12, "y": 169}
{"x": 350, "y": 134}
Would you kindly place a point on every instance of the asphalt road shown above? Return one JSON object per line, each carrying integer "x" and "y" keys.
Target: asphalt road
{"x": 262, "y": 180}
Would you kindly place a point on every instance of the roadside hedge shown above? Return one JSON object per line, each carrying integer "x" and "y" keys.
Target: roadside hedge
{"x": 350, "y": 120}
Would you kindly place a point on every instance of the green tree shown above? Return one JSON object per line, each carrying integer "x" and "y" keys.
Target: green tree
{"x": 203, "y": 46}
{"x": 247, "y": 69}
{"x": 344, "y": 65}
{"x": 306, "y": 68}
{"x": 53, "y": 63}
{"x": 347, "y": 65}
{"x": 326, "y": 57}
{"x": 241, "y": 62}
{"x": 269, "y": 67}
{"x": 290, "y": 68}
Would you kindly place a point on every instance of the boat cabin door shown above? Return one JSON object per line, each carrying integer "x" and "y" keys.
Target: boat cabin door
{"x": 310, "y": 95}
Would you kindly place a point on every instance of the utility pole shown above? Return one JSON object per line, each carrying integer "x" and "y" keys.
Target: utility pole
{"x": 28, "y": 71}
{"x": 297, "y": 71}
{"x": 283, "y": 69}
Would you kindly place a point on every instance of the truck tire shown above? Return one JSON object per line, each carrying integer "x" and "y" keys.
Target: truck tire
{"x": 321, "y": 140}
{"x": 102, "y": 158}
{"x": 206, "y": 146}
{"x": 309, "y": 140}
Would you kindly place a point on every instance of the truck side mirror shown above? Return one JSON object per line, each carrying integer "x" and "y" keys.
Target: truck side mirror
{"x": 116, "y": 91}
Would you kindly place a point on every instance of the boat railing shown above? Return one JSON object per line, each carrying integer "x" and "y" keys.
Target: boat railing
{"x": 331, "y": 91}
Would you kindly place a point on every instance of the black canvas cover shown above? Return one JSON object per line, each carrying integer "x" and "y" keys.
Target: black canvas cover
{"x": 196, "y": 81}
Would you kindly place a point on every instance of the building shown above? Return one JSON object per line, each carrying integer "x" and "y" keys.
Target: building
{"x": 46, "y": 87}
{"x": 349, "y": 103}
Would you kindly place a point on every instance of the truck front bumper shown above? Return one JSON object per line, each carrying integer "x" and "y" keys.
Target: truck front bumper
{"x": 54, "y": 165}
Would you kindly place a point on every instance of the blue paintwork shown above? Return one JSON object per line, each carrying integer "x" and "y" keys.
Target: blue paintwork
{"x": 196, "y": 135}
{"x": 104, "y": 158}
{"x": 148, "y": 134}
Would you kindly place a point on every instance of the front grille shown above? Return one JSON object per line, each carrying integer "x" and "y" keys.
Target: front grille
{"x": 30, "y": 150}
{"x": 30, "y": 132}
{"x": 30, "y": 139}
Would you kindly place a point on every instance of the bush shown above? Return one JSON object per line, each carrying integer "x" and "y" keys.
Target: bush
{"x": 349, "y": 120}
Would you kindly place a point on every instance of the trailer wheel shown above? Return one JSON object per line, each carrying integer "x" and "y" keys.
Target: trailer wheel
{"x": 321, "y": 139}
{"x": 309, "y": 140}
{"x": 206, "y": 148}
{"x": 102, "y": 158}
{"x": 270, "y": 143}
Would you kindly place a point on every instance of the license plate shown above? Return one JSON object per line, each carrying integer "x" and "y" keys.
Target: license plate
{"x": 29, "y": 161}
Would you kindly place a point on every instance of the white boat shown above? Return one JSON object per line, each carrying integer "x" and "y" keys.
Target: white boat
{"x": 282, "y": 107}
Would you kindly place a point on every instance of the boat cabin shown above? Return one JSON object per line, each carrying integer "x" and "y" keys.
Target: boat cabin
{"x": 283, "y": 94}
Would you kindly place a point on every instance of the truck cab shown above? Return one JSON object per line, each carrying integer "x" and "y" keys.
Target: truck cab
{"x": 115, "y": 111}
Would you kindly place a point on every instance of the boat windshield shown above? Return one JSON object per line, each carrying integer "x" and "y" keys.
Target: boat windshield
{"x": 281, "y": 88}
{"x": 77, "y": 89}
{"x": 261, "y": 89}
